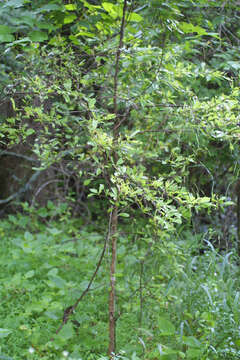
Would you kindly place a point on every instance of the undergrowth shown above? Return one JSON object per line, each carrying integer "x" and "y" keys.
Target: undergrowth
{"x": 173, "y": 302}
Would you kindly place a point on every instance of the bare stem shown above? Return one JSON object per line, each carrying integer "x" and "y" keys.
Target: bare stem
{"x": 114, "y": 222}
{"x": 112, "y": 295}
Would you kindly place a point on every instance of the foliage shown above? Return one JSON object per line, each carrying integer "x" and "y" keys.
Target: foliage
{"x": 173, "y": 308}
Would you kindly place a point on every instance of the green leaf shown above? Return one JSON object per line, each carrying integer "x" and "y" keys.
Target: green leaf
{"x": 49, "y": 7}
{"x": 6, "y": 38}
{"x": 193, "y": 353}
{"x": 29, "y": 132}
{"x": 135, "y": 17}
{"x": 94, "y": 191}
{"x": 191, "y": 341}
{"x": 51, "y": 315}
{"x": 87, "y": 182}
{"x": 110, "y": 8}
{"x": 38, "y": 36}
{"x": 85, "y": 33}
{"x": 56, "y": 281}
{"x": 14, "y": 3}
{"x": 101, "y": 188}
{"x": 166, "y": 327}
{"x": 6, "y": 34}
{"x": 4, "y": 29}
{"x": 52, "y": 272}
{"x": 74, "y": 39}
{"x": 4, "y": 332}
{"x": 124, "y": 215}
{"x": 190, "y": 28}
{"x": 71, "y": 7}
{"x": 67, "y": 331}
{"x": 69, "y": 19}
{"x": 29, "y": 274}
{"x": 68, "y": 84}
{"x": 54, "y": 231}
{"x": 28, "y": 236}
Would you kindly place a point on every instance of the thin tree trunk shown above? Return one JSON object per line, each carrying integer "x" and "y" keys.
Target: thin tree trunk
{"x": 114, "y": 220}
{"x": 141, "y": 291}
{"x": 112, "y": 295}
{"x": 238, "y": 216}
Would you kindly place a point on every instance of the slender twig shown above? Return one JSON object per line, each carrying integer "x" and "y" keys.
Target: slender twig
{"x": 70, "y": 310}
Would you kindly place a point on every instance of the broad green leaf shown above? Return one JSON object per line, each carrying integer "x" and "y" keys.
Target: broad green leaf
{"x": 69, "y": 19}
{"x": 190, "y": 28}
{"x": 6, "y": 38}
{"x": 67, "y": 331}
{"x": 37, "y": 306}
{"x": 166, "y": 327}
{"x": 191, "y": 341}
{"x": 38, "y": 36}
{"x": 49, "y": 7}
{"x": 87, "y": 182}
{"x": 53, "y": 272}
{"x": 110, "y": 8}
{"x": 29, "y": 20}
{"x": 29, "y": 132}
{"x": 4, "y": 332}
{"x": 15, "y": 3}
{"x": 45, "y": 26}
{"x": 94, "y": 191}
{"x": 71, "y": 7}
{"x": 29, "y": 274}
{"x": 56, "y": 281}
{"x": 4, "y": 29}
{"x": 51, "y": 315}
{"x": 135, "y": 17}
{"x": 28, "y": 236}
{"x": 193, "y": 353}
